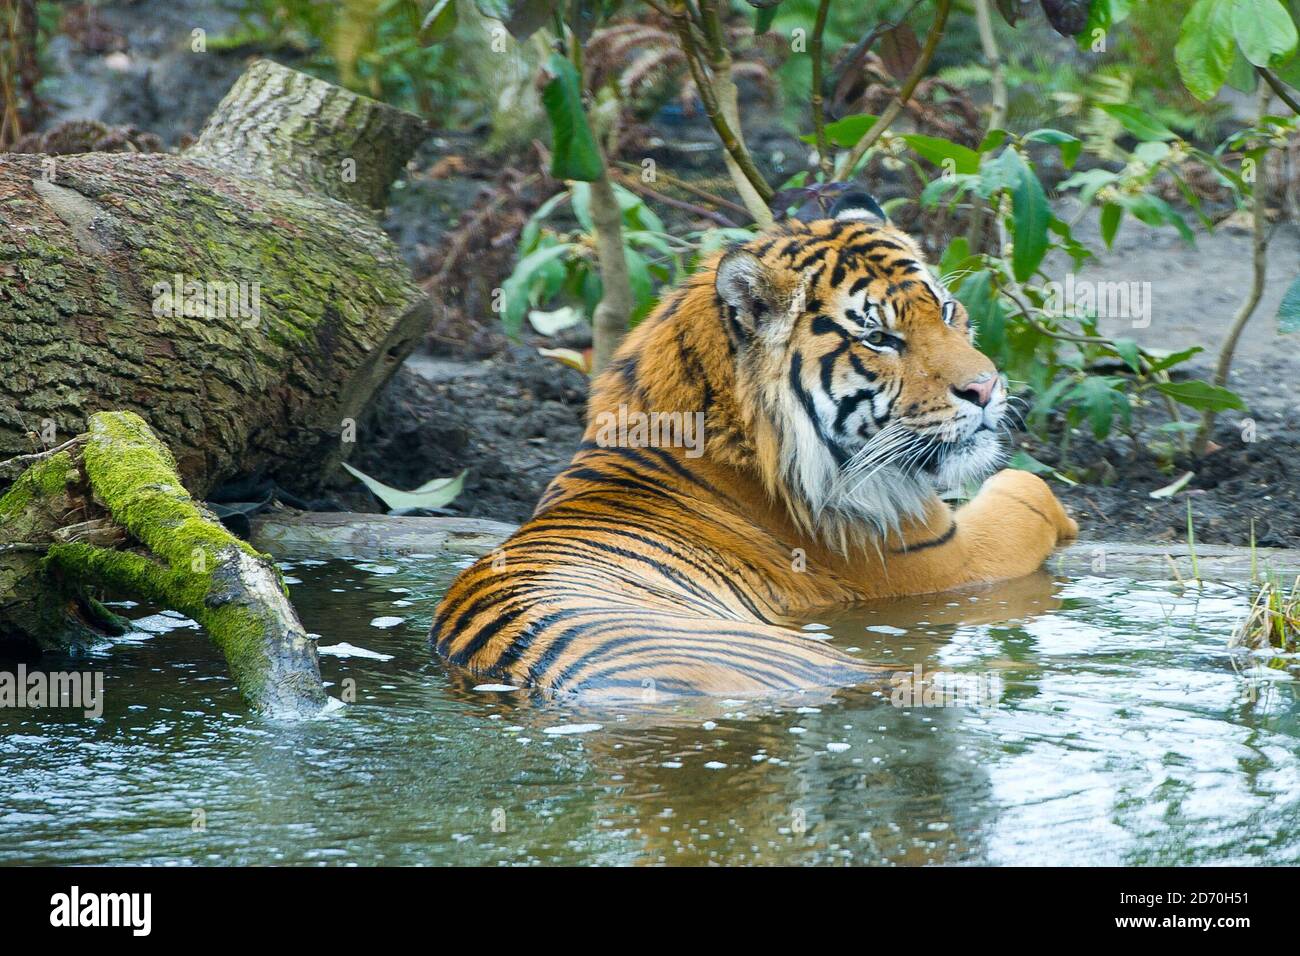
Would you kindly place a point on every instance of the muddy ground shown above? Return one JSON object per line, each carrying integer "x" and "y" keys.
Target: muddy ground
{"x": 474, "y": 400}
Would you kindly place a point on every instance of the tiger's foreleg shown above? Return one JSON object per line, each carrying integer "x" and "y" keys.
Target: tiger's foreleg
{"x": 1006, "y": 531}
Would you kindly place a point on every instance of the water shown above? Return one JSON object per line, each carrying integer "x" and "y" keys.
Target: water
{"x": 1105, "y": 723}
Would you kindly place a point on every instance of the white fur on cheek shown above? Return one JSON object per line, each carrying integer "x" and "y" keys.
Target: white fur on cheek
{"x": 841, "y": 509}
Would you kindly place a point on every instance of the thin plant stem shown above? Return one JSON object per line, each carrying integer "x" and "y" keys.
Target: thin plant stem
{"x": 997, "y": 110}
{"x": 818, "y": 100}
{"x": 904, "y": 94}
{"x": 1259, "y": 263}
{"x": 1278, "y": 87}
{"x": 759, "y": 193}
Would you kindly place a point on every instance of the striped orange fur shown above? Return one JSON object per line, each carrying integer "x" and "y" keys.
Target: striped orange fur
{"x": 839, "y": 391}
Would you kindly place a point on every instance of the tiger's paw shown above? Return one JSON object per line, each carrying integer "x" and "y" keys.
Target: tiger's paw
{"x": 1034, "y": 493}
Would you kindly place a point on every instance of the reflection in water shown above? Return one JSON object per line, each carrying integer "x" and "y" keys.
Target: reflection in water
{"x": 1088, "y": 720}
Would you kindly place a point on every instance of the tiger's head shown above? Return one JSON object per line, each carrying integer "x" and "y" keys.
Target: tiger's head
{"x": 860, "y": 379}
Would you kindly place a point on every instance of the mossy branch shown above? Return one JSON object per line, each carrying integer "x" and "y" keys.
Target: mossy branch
{"x": 171, "y": 553}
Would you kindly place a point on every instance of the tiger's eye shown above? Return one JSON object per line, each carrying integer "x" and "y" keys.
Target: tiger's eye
{"x": 876, "y": 337}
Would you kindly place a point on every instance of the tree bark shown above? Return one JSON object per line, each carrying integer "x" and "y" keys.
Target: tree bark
{"x": 242, "y": 298}
{"x": 301, "y": 133}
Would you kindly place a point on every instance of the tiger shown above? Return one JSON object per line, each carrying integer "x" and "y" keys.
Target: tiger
{"x": 840, "y": 392}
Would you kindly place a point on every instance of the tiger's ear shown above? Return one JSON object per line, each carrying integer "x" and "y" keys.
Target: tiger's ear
{"x": 858, "y": 205}
{"x": 744, "y": 284}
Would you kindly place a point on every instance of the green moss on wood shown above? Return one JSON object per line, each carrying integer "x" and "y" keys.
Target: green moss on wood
{"x": 237, "y": 630}
{"x": 44, "y": 479}
{"x": 335, "y": 303}
{"x": 135, "y": 476}
{"x": 193, "y": 565}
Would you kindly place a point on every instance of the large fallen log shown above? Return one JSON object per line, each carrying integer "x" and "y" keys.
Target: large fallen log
{"x": 244, "y": 301}
{"x": 241, "y": 297}
{"x": 107, "y": 512}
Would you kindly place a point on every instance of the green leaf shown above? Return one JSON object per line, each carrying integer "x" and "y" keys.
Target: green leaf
{"x": 1071, "y": 246}
{"x": 1264, "y": 31}
{"x": 1138, "y": 123}
{"x": 1206, "y": 47}
{"x": 1127, "y": 349}
{"x": 1241, "y": 75}
{"x": 1201, "y": 395}
{"x": 1288, "y": 313}
{"x": 1174, "y": 358}
{"x": 581, "y": 193}
{"x": 431, "y": 495}
{"x": 643, "y": 237}
{"x": 1070, "y": 146}
{"x": 515, "y": 289}
{"x": 1023, "y": 461}
{"x": 1088, "y": 182}
{"x": 1045, "y": 401}
{"x": 846, "y": 132}
{"x": 1154, "y": 211}
{"x": 641, "y": 282}
{"x": 961, "y": 159}
{"x": 987, "y": 318}
{"x": 1097, "y": 398}
{"x": 1111, "y": 215}
{"x": 936, "y": 188}
{"x": 999, "y": 174}
{"x": 992, "y": 140}
{"x": 1030, "y": 215}
{"x": 958, "y": 251}
{"x": 1288, "y": 72}
{"x": 439, "y": 23}
{"x": 574, "y": 152}
{"x": 532, "y": 231}
{"x": 1152, "y": 152}
{"x": 1102, "y": 15}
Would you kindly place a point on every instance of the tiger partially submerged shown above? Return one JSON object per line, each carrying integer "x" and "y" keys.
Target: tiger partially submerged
{"x": 839, "y": 391}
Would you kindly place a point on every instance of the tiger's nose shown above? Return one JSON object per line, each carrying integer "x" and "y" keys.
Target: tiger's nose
{"x": 978, "y": 391}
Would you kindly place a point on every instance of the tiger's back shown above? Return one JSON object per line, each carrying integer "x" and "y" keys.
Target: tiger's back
{"x": 633, "y": 576}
